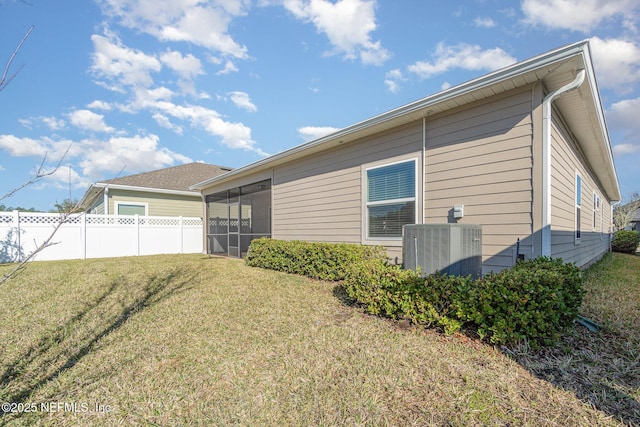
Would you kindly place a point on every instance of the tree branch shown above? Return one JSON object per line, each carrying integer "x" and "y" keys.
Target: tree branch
{"x": 4, "y": 80}
{"x": 40, "y": 173}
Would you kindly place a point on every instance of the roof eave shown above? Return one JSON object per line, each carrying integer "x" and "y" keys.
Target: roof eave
{"x": 538, "y": 66}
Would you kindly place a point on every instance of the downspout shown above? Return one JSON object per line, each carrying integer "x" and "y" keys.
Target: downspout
{"x": 106, "y": 200}
{"x": 546, "y": 158}
{"x": 423, "y": 161}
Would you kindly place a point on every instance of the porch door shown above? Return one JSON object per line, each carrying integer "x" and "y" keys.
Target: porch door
{"x": 234, "y": 224}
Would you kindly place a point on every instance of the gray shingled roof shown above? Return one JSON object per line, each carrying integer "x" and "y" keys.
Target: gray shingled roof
{"x": 173, "y": 178}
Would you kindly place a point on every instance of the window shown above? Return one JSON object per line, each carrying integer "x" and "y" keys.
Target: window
{"x": 578, "y": 205}
{"x": 596, "y": 209}
{"x": 131, "y": 209}
{"x": 391, "y": 199}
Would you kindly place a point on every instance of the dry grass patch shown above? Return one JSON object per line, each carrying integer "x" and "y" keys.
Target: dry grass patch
{"x": 600, "y": 368}
{"x": 191, "y": 340}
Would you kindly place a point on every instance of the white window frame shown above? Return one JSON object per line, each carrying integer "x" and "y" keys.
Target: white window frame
{"x": 577, "y": 200}
{"x": 389, "y": 241}
{"x": 116, "y": 205}
{"x": 596, "y": 210}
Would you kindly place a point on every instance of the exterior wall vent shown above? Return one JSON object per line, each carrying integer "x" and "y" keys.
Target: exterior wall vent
{"x": 448, "y": 248}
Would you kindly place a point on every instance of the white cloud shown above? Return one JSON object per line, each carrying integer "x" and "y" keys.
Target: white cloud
{"x": 484, "y": 22}
{"x": 309, "y": 133}
{"x": 622, "y": 118}
{"x": 164, "y": 121}
{"x": 22, "y": 147}
{"x": 53, "y": 123}
{"x": 202, "y": 23}
{"x": 576, "y": 15}
{"x": 65, "y": 176}
{"x": 616, "y": 62}
{"x": 187, "y": 67}
{"x": 229, "y": 67}
{"x": 121, "y": 65}
{"x": 88, "y": 120}
{"x": 392, "y": 80}
{"x": 445, "y": 86}
{"x": 134, "y": 154}
{"x": 99, "y": 105}
{"x": 54, "y": 150}
{"x": 465, "y": 56}
{"x": 626, "y": 148}
{"x": 347, "y": 23}
{"x": 242, "y": 100}
{"x": 233, "y": 135}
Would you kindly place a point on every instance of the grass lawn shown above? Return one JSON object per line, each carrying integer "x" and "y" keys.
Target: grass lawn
{"x": 192, "y": 340}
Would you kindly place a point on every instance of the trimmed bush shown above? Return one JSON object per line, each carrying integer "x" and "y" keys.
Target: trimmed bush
{"x": 535, "y": 300}
{"x": 325, "y": 261}
{"x": 626, "y": 241}
{"x": 390, "y": 291}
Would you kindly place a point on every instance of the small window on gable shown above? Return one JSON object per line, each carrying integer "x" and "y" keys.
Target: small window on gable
{"x": 391, "y": 199}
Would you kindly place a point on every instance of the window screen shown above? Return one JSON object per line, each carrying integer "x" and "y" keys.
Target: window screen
{"x": 391, "y": 199}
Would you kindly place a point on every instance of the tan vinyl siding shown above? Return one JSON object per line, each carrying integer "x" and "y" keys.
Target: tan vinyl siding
{"x": 567, "y": 161}
{"x": 98, "y": 206}
{"x": 158, "y": 204}
{"x": 319, "y": 198}
{"x": 481, "y": 157}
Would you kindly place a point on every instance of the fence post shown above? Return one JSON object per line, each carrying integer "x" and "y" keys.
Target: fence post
{"x": 181, "y": 233}
{"x": 16, "y": 224}
{"x": 83, "y": 233}
{"x": 136, "y": 222}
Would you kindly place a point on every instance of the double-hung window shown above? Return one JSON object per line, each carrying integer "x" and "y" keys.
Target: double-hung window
{"x": 578, "y": 206}
{"x": 596, "y": 208}
{"x": 391, "y": 199}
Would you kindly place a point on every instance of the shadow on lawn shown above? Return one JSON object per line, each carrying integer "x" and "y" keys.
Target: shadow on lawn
{"x": 601, "y": 369}
{"x": 64, "y": 347}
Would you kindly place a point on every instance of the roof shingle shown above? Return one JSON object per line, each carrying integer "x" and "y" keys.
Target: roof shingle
{"x": 173, "y": 178}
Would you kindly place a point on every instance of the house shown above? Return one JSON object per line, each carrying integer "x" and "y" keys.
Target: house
{"x": 163, "y": 192}
{"x": 524, "y": 150}
{"x": 635, "y": 221}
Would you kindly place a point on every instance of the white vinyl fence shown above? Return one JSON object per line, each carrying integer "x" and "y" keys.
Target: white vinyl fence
{"x": 84, "y": 236}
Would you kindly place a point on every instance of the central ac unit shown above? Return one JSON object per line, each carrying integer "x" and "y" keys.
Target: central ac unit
{"x": 447, "y": 248}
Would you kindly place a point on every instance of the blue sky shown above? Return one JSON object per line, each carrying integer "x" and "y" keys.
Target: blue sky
{"x": 128, "y": 86}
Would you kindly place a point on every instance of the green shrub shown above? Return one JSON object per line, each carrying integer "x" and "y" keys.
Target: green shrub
{"x": 391, "y": 291}
{"x": 626, "y": 241}
{"x": 535, "y": 300}
{"x": 326, "y": 261}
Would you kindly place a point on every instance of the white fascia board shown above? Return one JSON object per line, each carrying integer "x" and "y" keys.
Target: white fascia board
{"x": 147, "y": 189}
{"x": 606, "y": 144}
{"x": 343, "y": 135}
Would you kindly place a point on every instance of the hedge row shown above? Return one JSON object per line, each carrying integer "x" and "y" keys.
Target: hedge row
{"x": 325, "y": 261}
{"x": 626, "y": 241}
{"x": 535, "y": 300}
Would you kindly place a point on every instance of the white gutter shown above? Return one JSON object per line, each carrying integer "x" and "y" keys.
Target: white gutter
{"x": 546, "y": 158}
{"x": 424, "y": 168}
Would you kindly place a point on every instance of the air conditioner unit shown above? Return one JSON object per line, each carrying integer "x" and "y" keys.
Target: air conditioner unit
{"x": 448, "y": 248}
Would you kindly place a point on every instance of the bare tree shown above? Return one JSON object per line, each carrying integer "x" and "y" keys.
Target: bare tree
{"x": 623, "y": 214}
{"x": 6, "y": 78}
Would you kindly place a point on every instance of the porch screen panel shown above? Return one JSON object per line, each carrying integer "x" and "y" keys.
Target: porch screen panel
{"x": 238, "y": 216}
{"x": 218, "y": 224}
